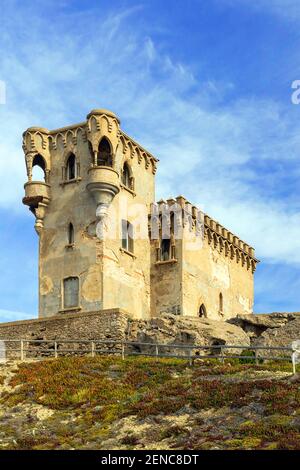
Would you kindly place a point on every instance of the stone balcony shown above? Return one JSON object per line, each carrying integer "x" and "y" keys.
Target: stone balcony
{"x": 103, "y": 184}
{"x": 36, "y": 192}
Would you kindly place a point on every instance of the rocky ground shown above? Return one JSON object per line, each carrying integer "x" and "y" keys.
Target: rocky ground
{"x": 139, "y": 403}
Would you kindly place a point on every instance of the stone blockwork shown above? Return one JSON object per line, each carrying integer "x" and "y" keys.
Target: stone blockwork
{"x": 104, "y": 325}
{"x": 171, "y": 329}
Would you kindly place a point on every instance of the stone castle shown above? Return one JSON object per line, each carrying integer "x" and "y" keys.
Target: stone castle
{"x": 105, "y": 244}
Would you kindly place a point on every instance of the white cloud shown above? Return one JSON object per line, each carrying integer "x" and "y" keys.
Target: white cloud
{"x": 287, "y": 9}
{"x": 219, "y": 156}
{"x": 9, "y": 316}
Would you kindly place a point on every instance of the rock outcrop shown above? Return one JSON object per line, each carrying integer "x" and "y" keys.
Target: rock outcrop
{"x": 171, "y": 329}
{"x": 256, "y": 325}
{"x": 280, "y": 337}
{"x": 271, "y": 330}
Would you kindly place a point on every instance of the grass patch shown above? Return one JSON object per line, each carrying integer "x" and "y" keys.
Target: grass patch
{"x": 101, "y": 390}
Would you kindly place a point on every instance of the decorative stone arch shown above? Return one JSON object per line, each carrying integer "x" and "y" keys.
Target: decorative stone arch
{"x": 127, "y": 177}
{"x": 71, "y": 166}
{"x": 60, "y": 137}
{"x": 70, "y": 137}
{"x": 40, "y": 161}
{"x": 80, "y": 133}
{"x": 104, "y": 154}
{"x": 202, "y": 311}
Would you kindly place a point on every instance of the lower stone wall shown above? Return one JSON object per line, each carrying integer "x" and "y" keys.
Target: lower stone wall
{"x": 102, "y": 325}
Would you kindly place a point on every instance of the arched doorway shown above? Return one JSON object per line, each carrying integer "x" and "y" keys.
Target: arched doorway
{"x": 202, "y": 311}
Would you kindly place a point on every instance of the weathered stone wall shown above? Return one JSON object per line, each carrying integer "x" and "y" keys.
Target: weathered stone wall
{"x": 109, "y": 277}
{"x": 207, "y": 273}
{"x": 102, "y": 325}
{"x": 189, "y": 330}
{"x": 166, "y": 283}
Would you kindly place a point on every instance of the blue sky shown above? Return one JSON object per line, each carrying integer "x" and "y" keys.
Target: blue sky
{"x": 203, "y": 84}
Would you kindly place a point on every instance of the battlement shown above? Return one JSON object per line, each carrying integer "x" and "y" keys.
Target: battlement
{"x": 217, "y": 235}
{"x": 42, "y": 140}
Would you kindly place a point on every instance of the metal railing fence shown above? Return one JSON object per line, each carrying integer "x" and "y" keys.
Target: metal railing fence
{"x": 134, "y": 348}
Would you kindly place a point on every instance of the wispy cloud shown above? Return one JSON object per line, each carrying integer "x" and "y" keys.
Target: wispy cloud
{"x": 234, "y": 158}
{"x": 9, "y": 316}
{"x": 287, "y": 9}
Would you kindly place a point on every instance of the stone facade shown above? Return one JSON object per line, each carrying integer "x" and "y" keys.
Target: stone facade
{"x": 104, "y": 326}
{"x": 94, "y": 217}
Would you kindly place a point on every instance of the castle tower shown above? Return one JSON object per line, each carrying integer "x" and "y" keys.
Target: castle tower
{"x": 93, "y": 178}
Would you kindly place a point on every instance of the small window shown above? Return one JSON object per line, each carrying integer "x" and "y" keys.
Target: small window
{"x": 71, "y": 236}
{"x": 221, "y": 303}
{"x": 126, "y": 177}
{"x": 127, "y": 236}
{"x": 71, "y": 168}
{"x": 202, "y": 311}
{"x": 165, "y": 249}
{"x": 38, "y": 168}
{"x": 71, "y": 292}
{"x": 104, "y": 157}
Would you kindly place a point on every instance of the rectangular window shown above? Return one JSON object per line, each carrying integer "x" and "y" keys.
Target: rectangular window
{"x": 71, "y": 292}
{"x": 165, "y": 249}
{"x": 127, "y": 236}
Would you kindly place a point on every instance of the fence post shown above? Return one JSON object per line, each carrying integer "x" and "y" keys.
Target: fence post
{"x": 156, "y": 351}
{"x": 93, "y": 349}
{"x": 22, "y": 350}
{"x": 294, "y": 362}
{"x": 190, "y": 357}
{"x": 55, "y": 349}
{"x": 221, "y": 355}
{"x": 256, "y": 357}
{"x": 123, "y": 351}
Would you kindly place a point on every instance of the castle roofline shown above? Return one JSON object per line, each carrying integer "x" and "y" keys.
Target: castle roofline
{"x": 99, "y": 112}
{"x": 212, "y": 227}
{"x": 84, "y": 126}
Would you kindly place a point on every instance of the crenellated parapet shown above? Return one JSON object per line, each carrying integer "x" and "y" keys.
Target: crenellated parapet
{"x": 229, "y": 244}
{"x": 132, "y": 149}
{"x": 102, "y": 123}
{"x": 101, "y": 132}
{"x": 221, "y": 239}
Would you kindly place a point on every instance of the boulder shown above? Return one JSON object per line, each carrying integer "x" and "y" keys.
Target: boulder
{"x": 180, "y": 330}
{"x": 279, "y": 337}
{"x": 255, "y": 325}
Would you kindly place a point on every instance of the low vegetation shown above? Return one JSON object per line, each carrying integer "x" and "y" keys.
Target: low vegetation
{"x": 140, "y": 403}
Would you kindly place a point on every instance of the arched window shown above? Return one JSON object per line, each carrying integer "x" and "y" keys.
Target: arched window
{"x": 38, "y": 168}
{"x": 165, "y": 249}
{"x": 126, "y": 176}
{"x": 104, "y": 157}
{"x": 71, "y": 292}
{"x": 127, "y": 236}
{"x": 202, "y": 311}
{"x": 71, "y": 172}
{"x": 221, "y": 303}
{"x": 71, "y": 236}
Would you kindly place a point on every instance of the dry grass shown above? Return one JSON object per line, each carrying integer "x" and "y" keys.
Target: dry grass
{"x": 100, "y": 391}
